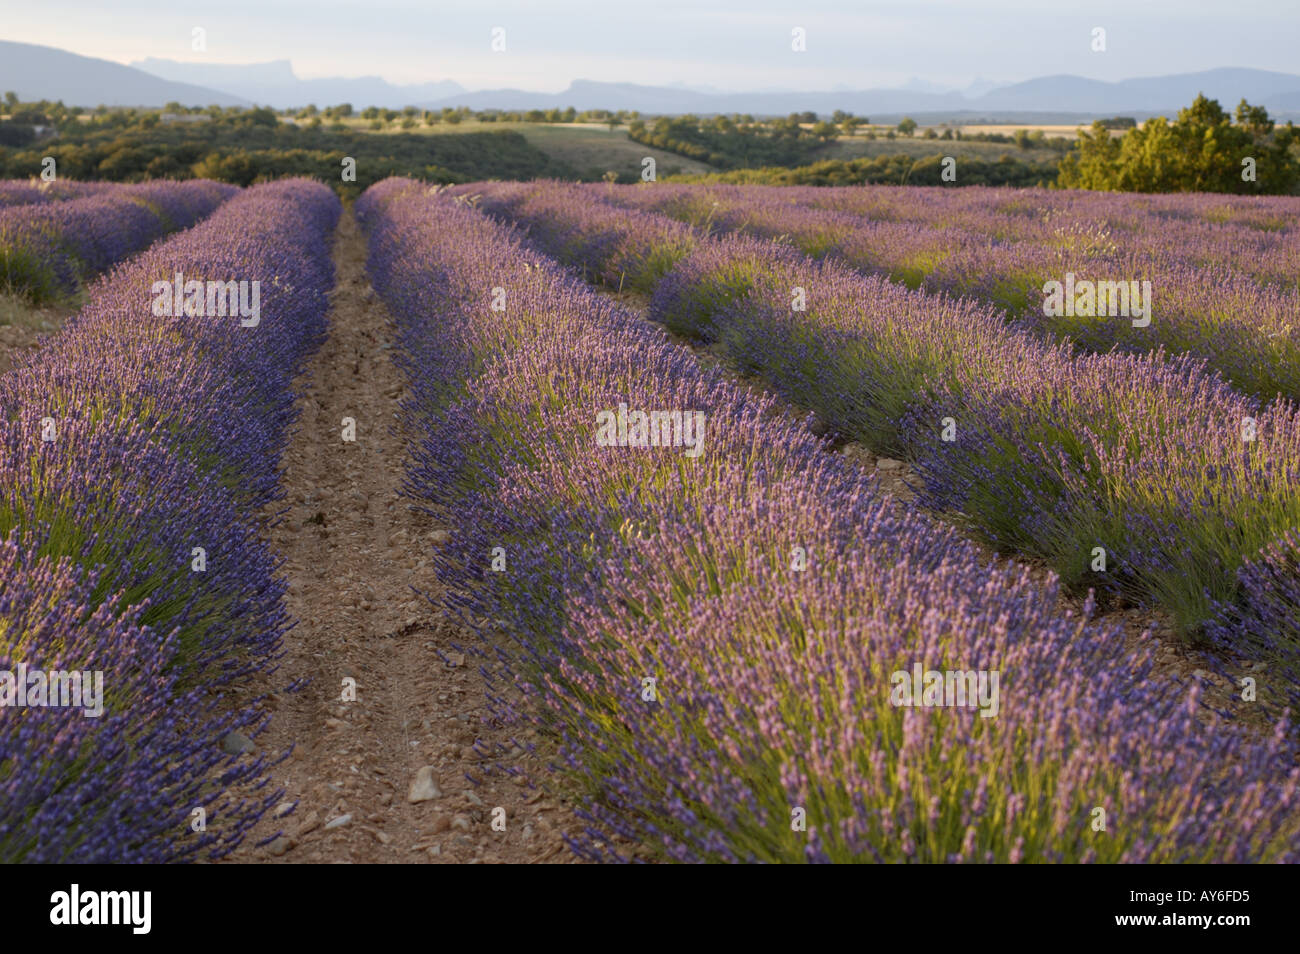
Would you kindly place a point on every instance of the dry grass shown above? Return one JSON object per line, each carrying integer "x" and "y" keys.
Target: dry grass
{"x": 22, "y": 324}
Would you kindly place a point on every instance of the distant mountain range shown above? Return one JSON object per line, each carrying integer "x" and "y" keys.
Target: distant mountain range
{"x": 41, "y": 72}
{"x": 274, "y": 84}
{"x": 1067, "y": 97}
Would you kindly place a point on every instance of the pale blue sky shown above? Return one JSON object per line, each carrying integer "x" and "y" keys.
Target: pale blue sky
{"x": 743, "y": 44}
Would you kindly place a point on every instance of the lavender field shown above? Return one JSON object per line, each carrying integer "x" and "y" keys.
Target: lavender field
{"x": 716, "y": 638}
{"x": 715, "y": 523}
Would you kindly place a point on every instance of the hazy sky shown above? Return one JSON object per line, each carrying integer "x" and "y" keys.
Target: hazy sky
{"x": 743, "y": 44}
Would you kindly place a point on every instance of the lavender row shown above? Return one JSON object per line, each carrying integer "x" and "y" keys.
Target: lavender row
{"x": 137, "y": 452}
{"x": 713, "y": 631}
{"x": 50, "y": 249}
{"x": 1187, "y": 299}
{"x": 1146, "y": 478}
{"x": 1255, "y": 236}
{"x": 26, "y": 191}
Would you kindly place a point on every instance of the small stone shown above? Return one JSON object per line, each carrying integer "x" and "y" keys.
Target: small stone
{"x": 283, "y": 809}
{"x": 461, "y": 822}
{"x": 441, "y": 824}
{"x": 440, "y": 536}
{"x": 382, "y": 837}
{"x": 435, "y": 851}
{"x": 473, "y": 798}
{"x": 236, "y": 743}
{"x": 338, "y": 822}
{"x": 455, "y": 659}
{"x": 888, "y": 463}
{"x": 280, "y": 845}
{"x": 424, "y": 787}
{"x": 310, "y": 823}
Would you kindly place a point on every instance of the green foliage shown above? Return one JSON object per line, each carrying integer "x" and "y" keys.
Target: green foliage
{"x": 26, "y": 273}
{"x": 247, "y": 146}
{"x": 1203, "y": 150}
{"x": 15, "y": 134}
{"x": 727, "y": 144}
{"x": 889, "y": 170}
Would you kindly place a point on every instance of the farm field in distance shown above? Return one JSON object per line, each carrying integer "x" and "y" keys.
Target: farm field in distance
{"x": 596, "y": 146}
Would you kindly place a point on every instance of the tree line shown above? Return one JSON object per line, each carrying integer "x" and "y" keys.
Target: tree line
{"x": 1204, "y": 148}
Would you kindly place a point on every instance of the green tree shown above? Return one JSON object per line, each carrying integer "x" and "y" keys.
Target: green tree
{"x": 907, "y": 126}
{"x": 1200, "y": 151}
{"x": 825, "y": 131}
{"x": 1254, "y": 120}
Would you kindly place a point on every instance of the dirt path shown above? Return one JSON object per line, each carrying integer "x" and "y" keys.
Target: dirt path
{"x": 354, "y": 549}
{"x": 22, "y": 326}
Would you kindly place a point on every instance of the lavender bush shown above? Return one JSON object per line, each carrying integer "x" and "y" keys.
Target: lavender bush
{"x": 1144, "y": 477}
{"x": 49, "y": 249}
{"x": 1225, "y": 293}
{"x": 770, "y": 698}
{"x": 128, "y": 441}
{"x": 32, "y": 191}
